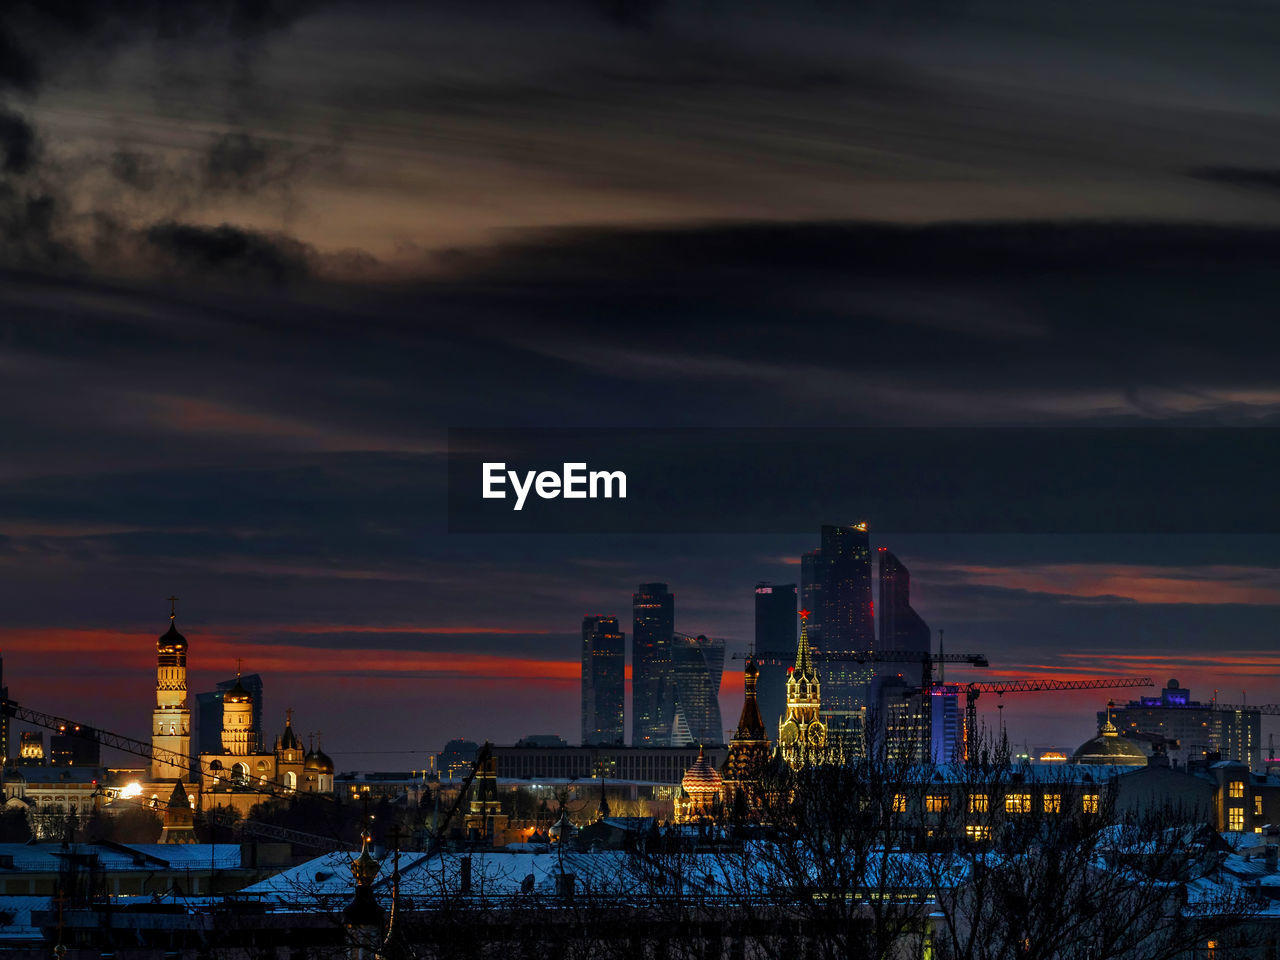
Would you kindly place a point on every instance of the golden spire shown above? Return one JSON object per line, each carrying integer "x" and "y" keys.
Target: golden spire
{"x": 173, "y": 608}
{"x": 804, "y": 659}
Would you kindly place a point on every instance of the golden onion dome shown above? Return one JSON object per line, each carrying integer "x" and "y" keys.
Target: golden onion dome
{"x": 701, "y": 777}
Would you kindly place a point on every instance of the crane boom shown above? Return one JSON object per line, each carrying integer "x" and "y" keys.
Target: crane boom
{"x": 1268, "y": 709}
{"x": 975, "y": 689}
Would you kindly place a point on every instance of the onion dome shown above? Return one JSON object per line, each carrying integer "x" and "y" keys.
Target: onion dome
{"x": 1108, "y": 747}
{"x": 701, "y": 779}
{"x": 237, "y": 694}
{"x": 172, "y": 639}
{"x": 317, "y": 761}
{"x": 563, "y": 828}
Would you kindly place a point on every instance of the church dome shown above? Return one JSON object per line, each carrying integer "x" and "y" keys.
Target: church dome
{"x": 317, "y": 761}
{"x": 1108, "y": 747}
{"x": 701, "y": 779}
{"x": 237, "y": 694}
{"x": 172, "y": 639}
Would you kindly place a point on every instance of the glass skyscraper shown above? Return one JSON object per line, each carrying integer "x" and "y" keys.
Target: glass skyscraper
{"x": 604, "y": 666}
{"x": 901, "y": 628}
{"x": 848, "y": 623}
{"x": 653, "y": 616}
{"x": 697, "y": 665}
{"x": 775, "y": 646}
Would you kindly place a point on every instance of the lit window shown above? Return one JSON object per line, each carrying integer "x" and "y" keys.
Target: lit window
{"x": 1235, "y": 819}
{"x": 1235, "y": 789}
{"x": 977, "y": 803}
{"x": 899, "y": 803}
{"x": 936, "y": 803}
{"x": 1089, "y": 803}
{"x": 1017, "y": 803}
{"x": 1211, "y": 950}
{"x": 1257, "y": 805}
{"x": 977, "y": 831}
{"x": 1053, "y": 803}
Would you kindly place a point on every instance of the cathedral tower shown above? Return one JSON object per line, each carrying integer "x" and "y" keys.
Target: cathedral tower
{"x": 802, "y": 737}
{"x": 238, "y": 737}
{"x": 171, "y": 721}
{"x": 749, "y": 748}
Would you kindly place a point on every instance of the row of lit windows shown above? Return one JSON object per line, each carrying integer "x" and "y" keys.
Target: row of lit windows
{"x": 1013, "y": 803}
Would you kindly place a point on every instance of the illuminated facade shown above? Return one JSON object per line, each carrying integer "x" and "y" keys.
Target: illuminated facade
{"x": 802, "y": 736}
{"x": 700, "y": 790}
{"x": 171, "y": 720}
{"x": 240, "y": 774}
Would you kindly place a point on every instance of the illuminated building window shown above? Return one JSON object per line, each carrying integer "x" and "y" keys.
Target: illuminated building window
{"x": 1089, "y": 803}
{"x": 977, "y": 803}
{"x": 1211, "y": 950}
{"x": 1235, "y": 789}
{"x": 899, "y": 803}
{"x": 1017, "y": 803}
{"x": 1053, "y": 803}
{"x": 1235, "y": 819}
{"x": 977, "y": 831}
{"x": 1257, "y": 805}
{"x": 936, "y": 803}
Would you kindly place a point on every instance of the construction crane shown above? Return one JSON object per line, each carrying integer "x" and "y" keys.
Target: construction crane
{"x": 922, "y": 657}
{"x": 1266, "y": 709}
{"x": 973, "y": 690}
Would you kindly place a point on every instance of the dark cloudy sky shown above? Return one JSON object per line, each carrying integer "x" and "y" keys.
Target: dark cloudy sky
{"x": 258, "y": 258}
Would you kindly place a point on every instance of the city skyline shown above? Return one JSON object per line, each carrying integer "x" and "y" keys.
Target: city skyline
{"x": 553, "y": 680}
{"x": 252, "y": 276}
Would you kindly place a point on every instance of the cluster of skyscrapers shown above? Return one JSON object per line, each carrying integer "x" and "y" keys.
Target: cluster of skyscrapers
{"x": 675, "y": 682}
{"x": 676, "y": 678}
{"x": 836, "y": 588}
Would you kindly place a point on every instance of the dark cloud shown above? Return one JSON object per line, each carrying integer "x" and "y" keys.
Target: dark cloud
{"x": 17, "y": 143}
{"x": 227, "y": 252}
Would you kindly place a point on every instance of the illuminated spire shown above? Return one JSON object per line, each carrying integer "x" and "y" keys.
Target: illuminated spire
{"x": 804, "y": 659}
{"x": 173, "y": 608}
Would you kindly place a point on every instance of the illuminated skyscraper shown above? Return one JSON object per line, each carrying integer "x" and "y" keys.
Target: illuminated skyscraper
{"x": 848, "y": 623}
{"x": 171, "y": 720}
{"x": 775, "y": 641}
{"x": 653, "y": 613}
{"x": 604, "y": 657}
{"x": 697, "y": 665}
{"x": 901, "y": 628}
